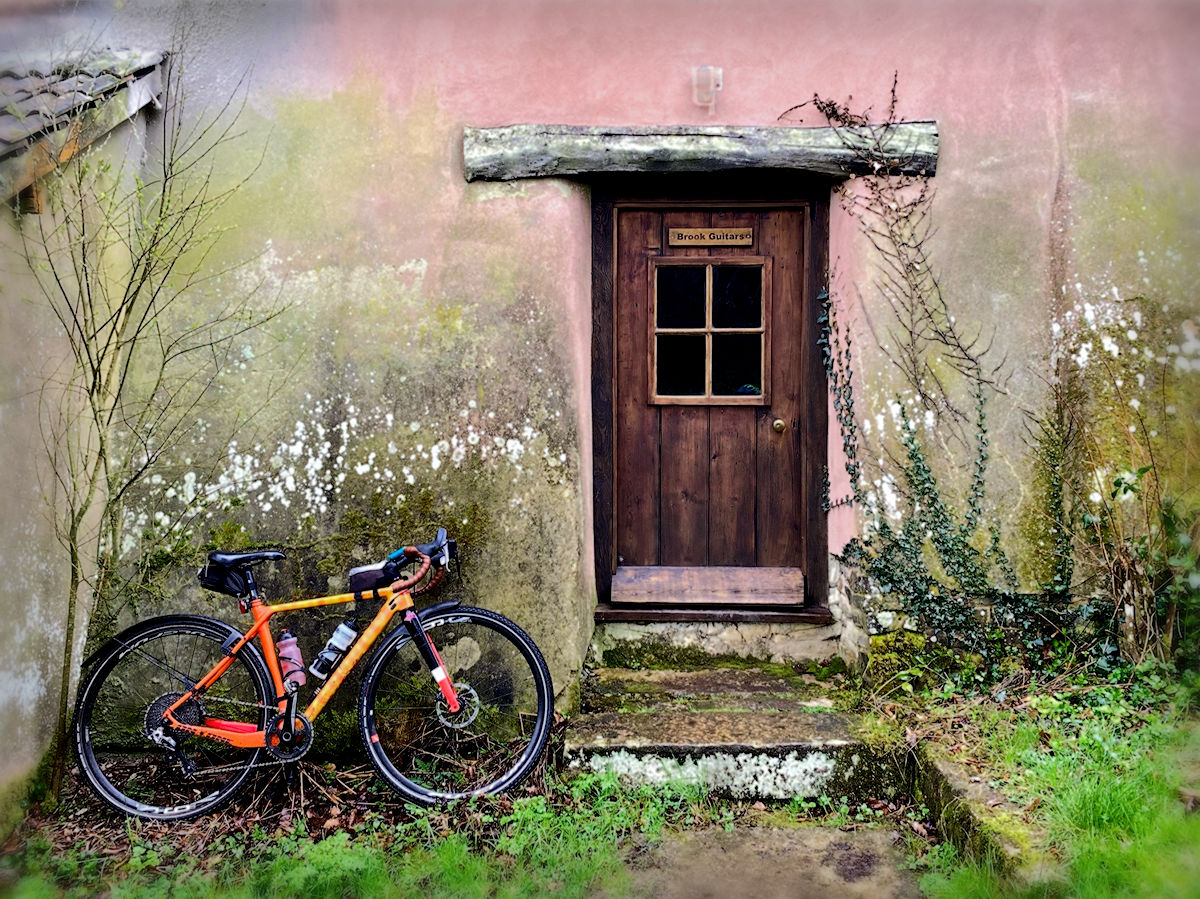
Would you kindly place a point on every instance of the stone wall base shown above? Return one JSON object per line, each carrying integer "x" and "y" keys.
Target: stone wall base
{"x": 684, "y": 644}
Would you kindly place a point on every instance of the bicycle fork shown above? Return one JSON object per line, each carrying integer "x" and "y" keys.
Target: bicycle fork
{"x": 432, "y": 659}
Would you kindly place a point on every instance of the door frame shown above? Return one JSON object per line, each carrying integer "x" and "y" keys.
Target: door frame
{"x": 735, "y": 189}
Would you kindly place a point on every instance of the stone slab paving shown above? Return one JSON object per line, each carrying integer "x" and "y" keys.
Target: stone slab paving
{"x": 744, "y": 755}
{"x": 748, "y": 689}
{"x": 773, "y": 863}
{"x": 748, "y": 733}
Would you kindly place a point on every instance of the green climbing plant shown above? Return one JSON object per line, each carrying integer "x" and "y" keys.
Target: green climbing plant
{"x": 931, "y": 547}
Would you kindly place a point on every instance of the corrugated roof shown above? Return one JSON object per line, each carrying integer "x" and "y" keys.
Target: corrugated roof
{"x": 40, "y": 95}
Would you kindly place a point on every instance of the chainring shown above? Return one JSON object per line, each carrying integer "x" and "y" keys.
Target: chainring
{"x": 289, "y": 750}
{"x": 191, "y": 712}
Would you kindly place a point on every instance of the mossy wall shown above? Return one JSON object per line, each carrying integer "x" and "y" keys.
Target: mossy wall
{"x": 432, "y": 360}
{"x": 419, "y": 372}
{"x": 35, "y": 413}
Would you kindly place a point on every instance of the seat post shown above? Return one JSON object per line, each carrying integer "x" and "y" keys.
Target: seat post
{"x": 250, "y": 582}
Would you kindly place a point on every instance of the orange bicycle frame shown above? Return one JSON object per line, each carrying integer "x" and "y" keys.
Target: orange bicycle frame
{"x": 249, "y": 736}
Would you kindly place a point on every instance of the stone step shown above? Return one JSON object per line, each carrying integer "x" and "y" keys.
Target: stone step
{"x": 805, "y": 752}
{"x": 775, "y": 689}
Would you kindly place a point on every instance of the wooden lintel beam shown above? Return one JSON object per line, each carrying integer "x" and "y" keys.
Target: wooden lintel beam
{"x": 536, "y": 151}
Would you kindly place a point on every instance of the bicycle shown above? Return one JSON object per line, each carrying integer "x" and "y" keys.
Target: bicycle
{"x": 175, "y": 712}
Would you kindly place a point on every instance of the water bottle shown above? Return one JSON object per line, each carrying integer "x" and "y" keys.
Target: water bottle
{"x": 290, "y": 661}
{"x": 328, "y": 658}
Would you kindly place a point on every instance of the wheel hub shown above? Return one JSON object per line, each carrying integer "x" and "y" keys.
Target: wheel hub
{"x": 468, "y": 708}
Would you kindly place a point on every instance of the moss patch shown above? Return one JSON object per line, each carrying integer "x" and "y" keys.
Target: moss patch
{"x": 14, "y": 799}
{"x": 660, "y": 654}
{"x": 906, "y": 660}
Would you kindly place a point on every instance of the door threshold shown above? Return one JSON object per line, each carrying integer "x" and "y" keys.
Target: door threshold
{"x": 634, "y": 614}
{"x": 735, "y": 586}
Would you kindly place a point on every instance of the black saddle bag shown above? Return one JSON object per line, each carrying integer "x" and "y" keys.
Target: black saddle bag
{"x": 223, "y": 579}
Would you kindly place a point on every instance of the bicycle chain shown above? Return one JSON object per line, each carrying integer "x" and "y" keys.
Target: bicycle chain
{"x": 240, "y": 767}
{"x": 222, "y": 768}
{"x": 208, "y": 698}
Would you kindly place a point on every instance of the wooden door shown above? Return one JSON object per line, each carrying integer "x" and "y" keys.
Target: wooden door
{"x": 715, "y": 459}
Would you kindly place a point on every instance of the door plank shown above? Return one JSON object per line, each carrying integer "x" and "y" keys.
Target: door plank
{"x": 637, "y": 439}
{"x": 726, "y": 586}
{"x": 732, "y": 451}
{"x": 684, "y": 470}
{"x": 684, "y": 486}
{"x": 779, "y": 478}
{"x": 732, "y": 497}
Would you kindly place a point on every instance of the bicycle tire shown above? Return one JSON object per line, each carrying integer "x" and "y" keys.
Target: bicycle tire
{"x": 426, "y": 754}
{"x": 138, "y": 670}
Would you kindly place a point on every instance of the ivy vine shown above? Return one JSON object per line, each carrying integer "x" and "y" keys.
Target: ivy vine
{"x": 940, "y": 560}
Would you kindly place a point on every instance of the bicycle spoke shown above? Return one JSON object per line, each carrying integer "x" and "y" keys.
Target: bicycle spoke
{"x": 175, "y": 672}
{"x": 424, "y": 750}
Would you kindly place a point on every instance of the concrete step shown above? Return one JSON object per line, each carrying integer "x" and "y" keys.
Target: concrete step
{"x": 746, "y": 733}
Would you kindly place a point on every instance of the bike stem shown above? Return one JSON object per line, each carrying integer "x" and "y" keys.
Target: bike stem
{"x": 429, "y": 653}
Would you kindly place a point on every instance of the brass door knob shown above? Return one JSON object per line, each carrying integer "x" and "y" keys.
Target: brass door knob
{"x": 779, "y": 425}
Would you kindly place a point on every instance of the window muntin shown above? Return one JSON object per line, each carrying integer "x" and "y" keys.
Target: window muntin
{"x": 708, "y": 337}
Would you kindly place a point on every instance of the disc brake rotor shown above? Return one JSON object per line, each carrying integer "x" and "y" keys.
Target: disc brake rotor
{"x": 468, "y": 708}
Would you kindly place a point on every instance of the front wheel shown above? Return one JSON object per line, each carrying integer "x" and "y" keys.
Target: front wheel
{"x": 426, "y": 753}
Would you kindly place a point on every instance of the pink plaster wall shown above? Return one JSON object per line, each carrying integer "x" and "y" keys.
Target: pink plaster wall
{"x": 978, "y": 67}
{"x": 1003, "y": 80}
{"x": 1020, "y": 90}
{"x": 1088, "y": 102}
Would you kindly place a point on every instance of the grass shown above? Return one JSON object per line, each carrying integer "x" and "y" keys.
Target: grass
{"x": 574, "y": 838}
{"x": 1093, "y": 768}
{"x": 1098, "y": 768}
{"x": 567, "y": 842}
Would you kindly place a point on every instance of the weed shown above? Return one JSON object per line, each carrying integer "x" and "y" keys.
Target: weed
{"x": 1094, "y": 760}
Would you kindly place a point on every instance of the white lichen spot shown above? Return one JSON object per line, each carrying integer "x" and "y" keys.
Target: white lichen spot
{"x": 742, "y": 775}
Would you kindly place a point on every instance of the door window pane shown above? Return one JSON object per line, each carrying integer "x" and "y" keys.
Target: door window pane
{"x": 681, "y": 364}
{"x": 737, "y": 365}
{"x": 737, "y": 296}
{"x": 681, "y": 296}
{"x": 709, "y": 332}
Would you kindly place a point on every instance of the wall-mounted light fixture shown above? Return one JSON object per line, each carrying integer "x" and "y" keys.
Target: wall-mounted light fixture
{"x": 706, "y": 81}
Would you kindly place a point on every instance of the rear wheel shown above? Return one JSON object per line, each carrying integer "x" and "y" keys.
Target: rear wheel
{"x": 430, "y": 755}
{"x": 125, "y": 753}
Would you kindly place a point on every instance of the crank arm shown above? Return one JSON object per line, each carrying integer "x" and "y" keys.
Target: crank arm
{"x": 290, "y": 718}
